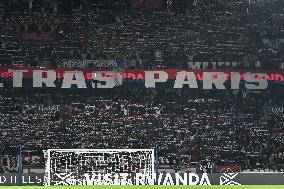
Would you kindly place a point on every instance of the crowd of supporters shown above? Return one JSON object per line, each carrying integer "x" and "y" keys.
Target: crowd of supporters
{"x": 45, "y": 33}
{"x": 226, "y": 128}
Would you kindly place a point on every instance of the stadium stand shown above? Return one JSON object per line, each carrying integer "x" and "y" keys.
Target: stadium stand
{"x": 207, "y": 31}
{"x": 225, "y": 128}
{"x": 231, "y": 130}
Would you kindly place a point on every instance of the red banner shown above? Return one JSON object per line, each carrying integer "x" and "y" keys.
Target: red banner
{"x": 34, "y": 37}
{"x": 256, "y": 80}
{"x": 229, "y": 169}
{"x": 139, "y": 74}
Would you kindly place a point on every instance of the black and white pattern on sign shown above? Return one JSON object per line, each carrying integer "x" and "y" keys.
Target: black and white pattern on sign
{"x": 227, "y": 179}
{"x": 70, "y": 168}
{"x": 65, "y": 179}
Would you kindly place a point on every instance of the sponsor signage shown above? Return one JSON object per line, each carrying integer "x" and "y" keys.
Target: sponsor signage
{"x": 160, "y": 179}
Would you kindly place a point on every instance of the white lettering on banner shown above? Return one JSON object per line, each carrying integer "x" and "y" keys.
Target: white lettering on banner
{"x": 86, "y": 63}
{"x": 79, "y": 80}
{"x": 108, "y": 79}
{"x": 191, "y": 80}
{"x": 194, "y": 65}
{"x": 48, "y": 109}
{"x": 217, "y": 78}
{"x": 49, "y": 80}
{"x": 256, "y": 81}
{"x": 204, "y": 65}
{"x": 235, "y": 80}
{"x": 17, "y": 77}
{"x": 150, "y": 80}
